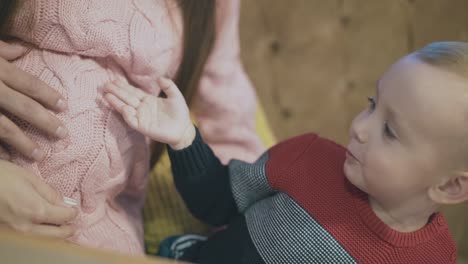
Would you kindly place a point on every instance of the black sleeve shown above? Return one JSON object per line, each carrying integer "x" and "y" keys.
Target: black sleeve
{"x": 203, "y": 182}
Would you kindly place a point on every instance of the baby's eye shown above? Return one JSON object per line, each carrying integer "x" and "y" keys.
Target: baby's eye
{"x": 388, "y": 131}
{"x": 371, "y": 103}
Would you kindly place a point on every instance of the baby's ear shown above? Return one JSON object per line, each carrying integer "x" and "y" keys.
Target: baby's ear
{"x": 451, "y": 190}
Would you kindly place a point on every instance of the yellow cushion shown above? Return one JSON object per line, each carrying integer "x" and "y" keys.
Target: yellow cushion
{"x": 164, "y": 213}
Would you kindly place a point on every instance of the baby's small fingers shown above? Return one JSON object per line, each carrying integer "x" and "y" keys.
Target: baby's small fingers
{"x": 128, "y": 110}
{"x": 131, "y": 89}
{"x": 129, "y": 115}
{"x": 123, "y": 95}
{"x": 115, "y": 102}
{"x": 169, "y": 88}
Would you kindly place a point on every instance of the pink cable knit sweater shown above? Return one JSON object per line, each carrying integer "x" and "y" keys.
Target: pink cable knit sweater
{"x": 79, "y": 45}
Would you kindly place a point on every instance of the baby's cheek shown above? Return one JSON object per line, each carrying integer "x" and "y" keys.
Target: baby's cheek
{"x": 378, "y": 167}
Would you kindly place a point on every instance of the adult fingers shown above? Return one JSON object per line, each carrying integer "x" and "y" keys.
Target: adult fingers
{"x": 45, "y": 191}
{"x": 11, "y": 51}
{"x": 52, "y": 231}
{"x": 4, "y": 154}
{"x": 58, "y": 215}
{"x": 54, "y": 209}
{"x": 31, "y": 111}
{"x": 30, "y": 86}
{"x": 13, "y": 136}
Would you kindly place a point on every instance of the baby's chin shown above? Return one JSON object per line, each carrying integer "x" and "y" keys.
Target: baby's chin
{"x": 354, "y": 175}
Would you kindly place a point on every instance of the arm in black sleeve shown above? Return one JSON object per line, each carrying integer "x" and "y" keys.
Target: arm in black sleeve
{"x": 203, "y": 182}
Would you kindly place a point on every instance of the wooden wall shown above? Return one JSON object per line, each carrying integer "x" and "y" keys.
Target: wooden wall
{"x": 314, "y": 62}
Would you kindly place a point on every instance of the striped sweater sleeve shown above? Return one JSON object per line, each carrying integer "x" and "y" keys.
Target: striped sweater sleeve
{"x": 203, "y": 182}
{"x": 253, "y": 182}
{"x": 214, "y": 192}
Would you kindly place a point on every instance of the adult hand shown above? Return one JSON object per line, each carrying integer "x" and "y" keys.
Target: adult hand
{"x": 28, "y": 98}
{"x": 29, "y": 205}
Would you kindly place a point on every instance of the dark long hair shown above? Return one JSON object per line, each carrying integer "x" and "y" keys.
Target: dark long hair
{"x": 6, "y": 11}
{"x": 199, "y": 35}
{"x": 198, "y": 38}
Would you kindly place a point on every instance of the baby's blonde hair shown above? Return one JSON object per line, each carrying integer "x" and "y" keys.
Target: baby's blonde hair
{"x": 450, "y": 55}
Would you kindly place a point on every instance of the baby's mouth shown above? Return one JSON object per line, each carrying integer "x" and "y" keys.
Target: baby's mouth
{"x": 350, "y": 156}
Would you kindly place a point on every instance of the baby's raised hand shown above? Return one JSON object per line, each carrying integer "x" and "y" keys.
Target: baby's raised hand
{"x": 164, "y": 120}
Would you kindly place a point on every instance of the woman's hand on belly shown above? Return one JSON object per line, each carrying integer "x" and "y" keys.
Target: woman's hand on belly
{"x": 30, "y": 206}
{"x": 28, "y": 98}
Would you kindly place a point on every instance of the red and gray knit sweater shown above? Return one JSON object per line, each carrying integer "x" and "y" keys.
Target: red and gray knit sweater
{"x": 294, "y": 205}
